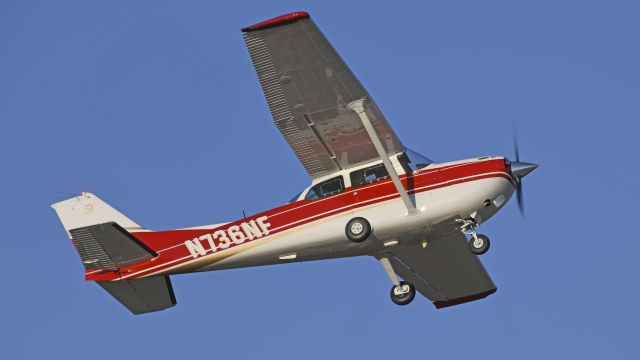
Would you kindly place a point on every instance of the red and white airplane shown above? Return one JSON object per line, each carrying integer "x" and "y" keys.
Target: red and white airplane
{"x": 369, "y": 194}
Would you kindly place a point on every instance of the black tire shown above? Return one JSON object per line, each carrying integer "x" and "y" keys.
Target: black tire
{"x": 358, "y": 229}
{"x": 405, "y": 298}
{"x": 480, "y": 246}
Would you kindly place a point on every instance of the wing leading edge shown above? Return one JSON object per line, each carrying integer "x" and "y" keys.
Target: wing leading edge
{"x": 308, "y": 88}
{"x": 445, "y": 272}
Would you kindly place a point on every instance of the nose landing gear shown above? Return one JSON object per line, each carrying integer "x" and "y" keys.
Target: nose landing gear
{"x": 478, "y": 244}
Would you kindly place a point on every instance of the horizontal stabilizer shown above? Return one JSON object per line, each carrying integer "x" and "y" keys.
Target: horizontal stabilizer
{"x": 109, "y": 247}
{"x": 142, "y": 295}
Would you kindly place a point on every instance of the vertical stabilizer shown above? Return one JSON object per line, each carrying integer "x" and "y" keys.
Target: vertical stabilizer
{"x": 88, "y": 209}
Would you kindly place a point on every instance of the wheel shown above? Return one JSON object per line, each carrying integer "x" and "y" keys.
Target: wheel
{"x": 480, "y": 245}
{"x": 358, "y": 229}
{"x": 403, "y": 294}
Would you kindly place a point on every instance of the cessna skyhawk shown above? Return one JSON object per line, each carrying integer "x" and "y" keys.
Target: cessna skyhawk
{"x": 369, "y": 195}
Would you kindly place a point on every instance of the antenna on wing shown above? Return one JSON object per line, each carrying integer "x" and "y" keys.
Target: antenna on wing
{"x": 65, "y": 193}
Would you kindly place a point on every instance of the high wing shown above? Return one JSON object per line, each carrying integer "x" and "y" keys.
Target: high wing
{"x": 445, "y": 272}
{"x": 308, "y": 88}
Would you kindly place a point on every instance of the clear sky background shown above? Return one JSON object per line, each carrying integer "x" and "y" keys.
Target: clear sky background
{"x": 155, "y": 107}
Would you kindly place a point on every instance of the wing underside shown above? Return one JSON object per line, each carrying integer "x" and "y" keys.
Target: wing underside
{"x": 308, "y": 87}
{"x": 445, "y": 272}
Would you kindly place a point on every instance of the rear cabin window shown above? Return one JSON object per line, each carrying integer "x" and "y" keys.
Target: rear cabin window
{"x": 326, "y": 188}
{"x": 369, "y": 175}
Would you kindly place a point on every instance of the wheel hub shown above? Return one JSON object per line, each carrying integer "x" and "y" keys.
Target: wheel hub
{"x": 401, "y": 290}
{"x": 357, "y": 228}
{"x": 478, "y": 243}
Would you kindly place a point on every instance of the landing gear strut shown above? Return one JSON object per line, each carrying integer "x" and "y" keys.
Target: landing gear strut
{"x": 478, "y": 244}
{"x": 402, "y": 292}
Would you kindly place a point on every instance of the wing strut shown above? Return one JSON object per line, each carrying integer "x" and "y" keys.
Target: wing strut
{"x": 358, "y": 107}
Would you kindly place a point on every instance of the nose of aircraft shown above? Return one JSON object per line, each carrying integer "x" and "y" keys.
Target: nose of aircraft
{"x": 522, "y": 169}
{"x": 519, "y": 170}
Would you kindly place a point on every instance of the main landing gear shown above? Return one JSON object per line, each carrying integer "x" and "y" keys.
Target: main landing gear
{"x": 358, "y": 229}
{"x": 402, "y": 292}
{"x": 478, "y": 244}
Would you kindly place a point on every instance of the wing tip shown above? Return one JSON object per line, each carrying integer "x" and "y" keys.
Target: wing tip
{"x": 277, "y": 21}
{"x": 462, "y": 300}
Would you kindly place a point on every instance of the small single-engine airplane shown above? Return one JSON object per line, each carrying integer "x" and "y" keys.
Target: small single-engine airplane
{"x": 369, "y": 195}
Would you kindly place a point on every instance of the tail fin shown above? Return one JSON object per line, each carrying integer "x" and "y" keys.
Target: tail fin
{"x": 99, "y": 233}
{"x": 86, "y": 210}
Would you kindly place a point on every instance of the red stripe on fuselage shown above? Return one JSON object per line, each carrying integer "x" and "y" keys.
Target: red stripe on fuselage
{"x": 170, "y": 244}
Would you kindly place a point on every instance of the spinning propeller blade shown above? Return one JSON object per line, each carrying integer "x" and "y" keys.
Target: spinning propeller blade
{"x": 520, "y": 170}
{"x": 516, "y": 148}
{"x": 520, "y": 198}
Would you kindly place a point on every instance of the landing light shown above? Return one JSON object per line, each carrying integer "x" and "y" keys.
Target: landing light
{"x": 391, "y": 243}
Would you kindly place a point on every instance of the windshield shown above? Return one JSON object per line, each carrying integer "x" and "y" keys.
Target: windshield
{"x": 295, "y": 198}
{"x": 412, "y": 161}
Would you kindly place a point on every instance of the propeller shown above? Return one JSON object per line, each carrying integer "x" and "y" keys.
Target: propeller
{"x": 519, "y": 170}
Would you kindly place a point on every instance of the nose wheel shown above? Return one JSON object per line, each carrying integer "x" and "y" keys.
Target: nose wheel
{"x": 478, "y": 244}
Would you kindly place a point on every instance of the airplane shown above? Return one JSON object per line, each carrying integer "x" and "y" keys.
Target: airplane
{"x": 369, "y": 195}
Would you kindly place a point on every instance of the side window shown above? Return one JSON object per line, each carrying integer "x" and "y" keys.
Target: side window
{"x": 326, "y": 188}
{"x": 369, "y": 175}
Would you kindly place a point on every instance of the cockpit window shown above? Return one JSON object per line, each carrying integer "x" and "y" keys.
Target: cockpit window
{"x": 295, "y": 198}
{"x": 412, "y": 161}
{"x": 326, "y": 188}
{"x": 369, "y": 175}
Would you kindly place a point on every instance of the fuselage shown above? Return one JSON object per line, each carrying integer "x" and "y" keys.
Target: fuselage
{"x": 314, "y": 229}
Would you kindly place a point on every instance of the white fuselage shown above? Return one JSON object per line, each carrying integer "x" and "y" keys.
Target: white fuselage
{"x": 325, "y": 238}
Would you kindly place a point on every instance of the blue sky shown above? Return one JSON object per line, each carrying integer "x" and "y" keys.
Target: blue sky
{"x": 155, "y": 106}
